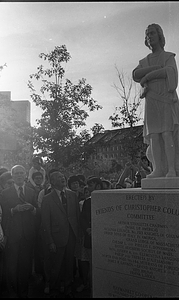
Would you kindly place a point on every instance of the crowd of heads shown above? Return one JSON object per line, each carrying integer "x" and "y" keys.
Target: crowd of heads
{"x": 79, "y": 183}
{"x": 56, "y": 186}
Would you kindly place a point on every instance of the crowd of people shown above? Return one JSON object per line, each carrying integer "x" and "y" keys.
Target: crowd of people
{"x": 45, "y": 227}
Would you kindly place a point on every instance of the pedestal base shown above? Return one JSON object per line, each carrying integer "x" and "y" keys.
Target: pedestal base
{"x": 135, "y": 243}
{"x": 160, "y": 183}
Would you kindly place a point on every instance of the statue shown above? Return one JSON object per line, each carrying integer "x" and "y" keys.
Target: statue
{"x": 158, "y": 76}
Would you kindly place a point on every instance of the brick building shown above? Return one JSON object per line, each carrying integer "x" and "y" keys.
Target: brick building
{"x": 108, "y": 144}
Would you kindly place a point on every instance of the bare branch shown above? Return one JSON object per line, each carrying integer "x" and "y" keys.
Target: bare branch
{"x": 131, "y": 102}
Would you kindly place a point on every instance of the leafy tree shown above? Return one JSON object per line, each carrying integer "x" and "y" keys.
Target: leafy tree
{"x": 97, "y": 128}
{"x": 65, "y": 108}
{"x": 128, "y": 115}
{"x": 132, "y": 143}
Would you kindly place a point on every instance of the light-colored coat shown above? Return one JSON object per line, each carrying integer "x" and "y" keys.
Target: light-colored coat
{"x": 55, "y": 220}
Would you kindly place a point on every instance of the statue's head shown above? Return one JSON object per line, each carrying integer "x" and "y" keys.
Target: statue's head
{"x": 160, "y": 35}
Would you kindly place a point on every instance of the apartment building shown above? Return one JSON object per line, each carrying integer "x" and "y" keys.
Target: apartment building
{"x": 108, "y": 144}
{"x": 21, "y": 108}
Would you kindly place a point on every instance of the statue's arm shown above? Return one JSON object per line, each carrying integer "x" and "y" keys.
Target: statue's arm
{"x": 172, "y": 74}
{"x": 169, "y": 71}
{"x": 139, "y": 72}
{"x": 157, "y": 74}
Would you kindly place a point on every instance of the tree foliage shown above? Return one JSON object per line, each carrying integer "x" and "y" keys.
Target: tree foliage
{"x": 97, "y": 128}
{"x": 132, "y": 143}
{"x": 65, "y": 108}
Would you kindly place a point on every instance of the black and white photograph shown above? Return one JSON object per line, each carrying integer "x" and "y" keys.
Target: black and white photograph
{"x": 89, "y": 149}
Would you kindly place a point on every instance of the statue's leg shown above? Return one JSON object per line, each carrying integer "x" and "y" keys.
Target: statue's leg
{"x": 156, "y": 151}
{"x": 170, "y": 153}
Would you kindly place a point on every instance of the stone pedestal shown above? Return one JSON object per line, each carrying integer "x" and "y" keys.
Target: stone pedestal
{"x": 135, "y": 243}
{"x": 160, "y": 183}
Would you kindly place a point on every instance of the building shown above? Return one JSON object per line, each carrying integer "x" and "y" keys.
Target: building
{"x": 21, "y": 109}
{"x": 108, "y": 144}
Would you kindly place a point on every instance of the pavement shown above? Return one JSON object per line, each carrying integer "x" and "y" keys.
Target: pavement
{"x": 37, "y": 286}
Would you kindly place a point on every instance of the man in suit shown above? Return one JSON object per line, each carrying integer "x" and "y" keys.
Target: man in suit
{"x": 19, "y": 211}
{"x": 38, "y": 270}
{"x": 60, "y": 222}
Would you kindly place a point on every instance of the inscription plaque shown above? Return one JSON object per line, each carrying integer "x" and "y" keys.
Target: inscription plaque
{"x": 135, "y": 243}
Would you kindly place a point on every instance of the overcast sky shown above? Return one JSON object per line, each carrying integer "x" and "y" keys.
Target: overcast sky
{"x": 98, "y": 36}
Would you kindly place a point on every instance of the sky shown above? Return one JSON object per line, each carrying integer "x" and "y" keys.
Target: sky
{"x": 98, "y": 36}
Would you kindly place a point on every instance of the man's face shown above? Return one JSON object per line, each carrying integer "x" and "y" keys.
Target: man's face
{"x": 38, "y": 180}
{"x": 75, "y": 186}
{"x": 81, "y": 189}
{"x": 19, "y": 175}
{"x": 106, "y": 186}
{"x": 58, "y": 180}
{"x": 8, "y": 183}
{"x": 87, "y": 193}
{"x": 91, "y": 186}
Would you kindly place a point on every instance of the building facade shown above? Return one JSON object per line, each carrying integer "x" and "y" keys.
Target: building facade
{"x": 22, "y": 107}
{"x": 108, "y": 144}
{"x": 8, "y": 140}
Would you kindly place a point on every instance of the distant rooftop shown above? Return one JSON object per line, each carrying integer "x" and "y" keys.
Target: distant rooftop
{"x": 109, "y": 135}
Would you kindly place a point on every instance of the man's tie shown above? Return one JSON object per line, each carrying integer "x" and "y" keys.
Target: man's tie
{"x": 64, "y": 200}
{"x": 21, "y": 195}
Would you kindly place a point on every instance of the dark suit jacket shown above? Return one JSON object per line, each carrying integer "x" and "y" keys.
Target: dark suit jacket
{"x": 21, "y": 223}
{"x": 85, "y": 221}
{"x": 55, "y": 220}
{"x": 85, "y": 216}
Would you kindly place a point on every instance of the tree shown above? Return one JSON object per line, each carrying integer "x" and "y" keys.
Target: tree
{"x": 65, "y": 108}
{"x": 128, "y": 115}
{"x": 97, "y": 128}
